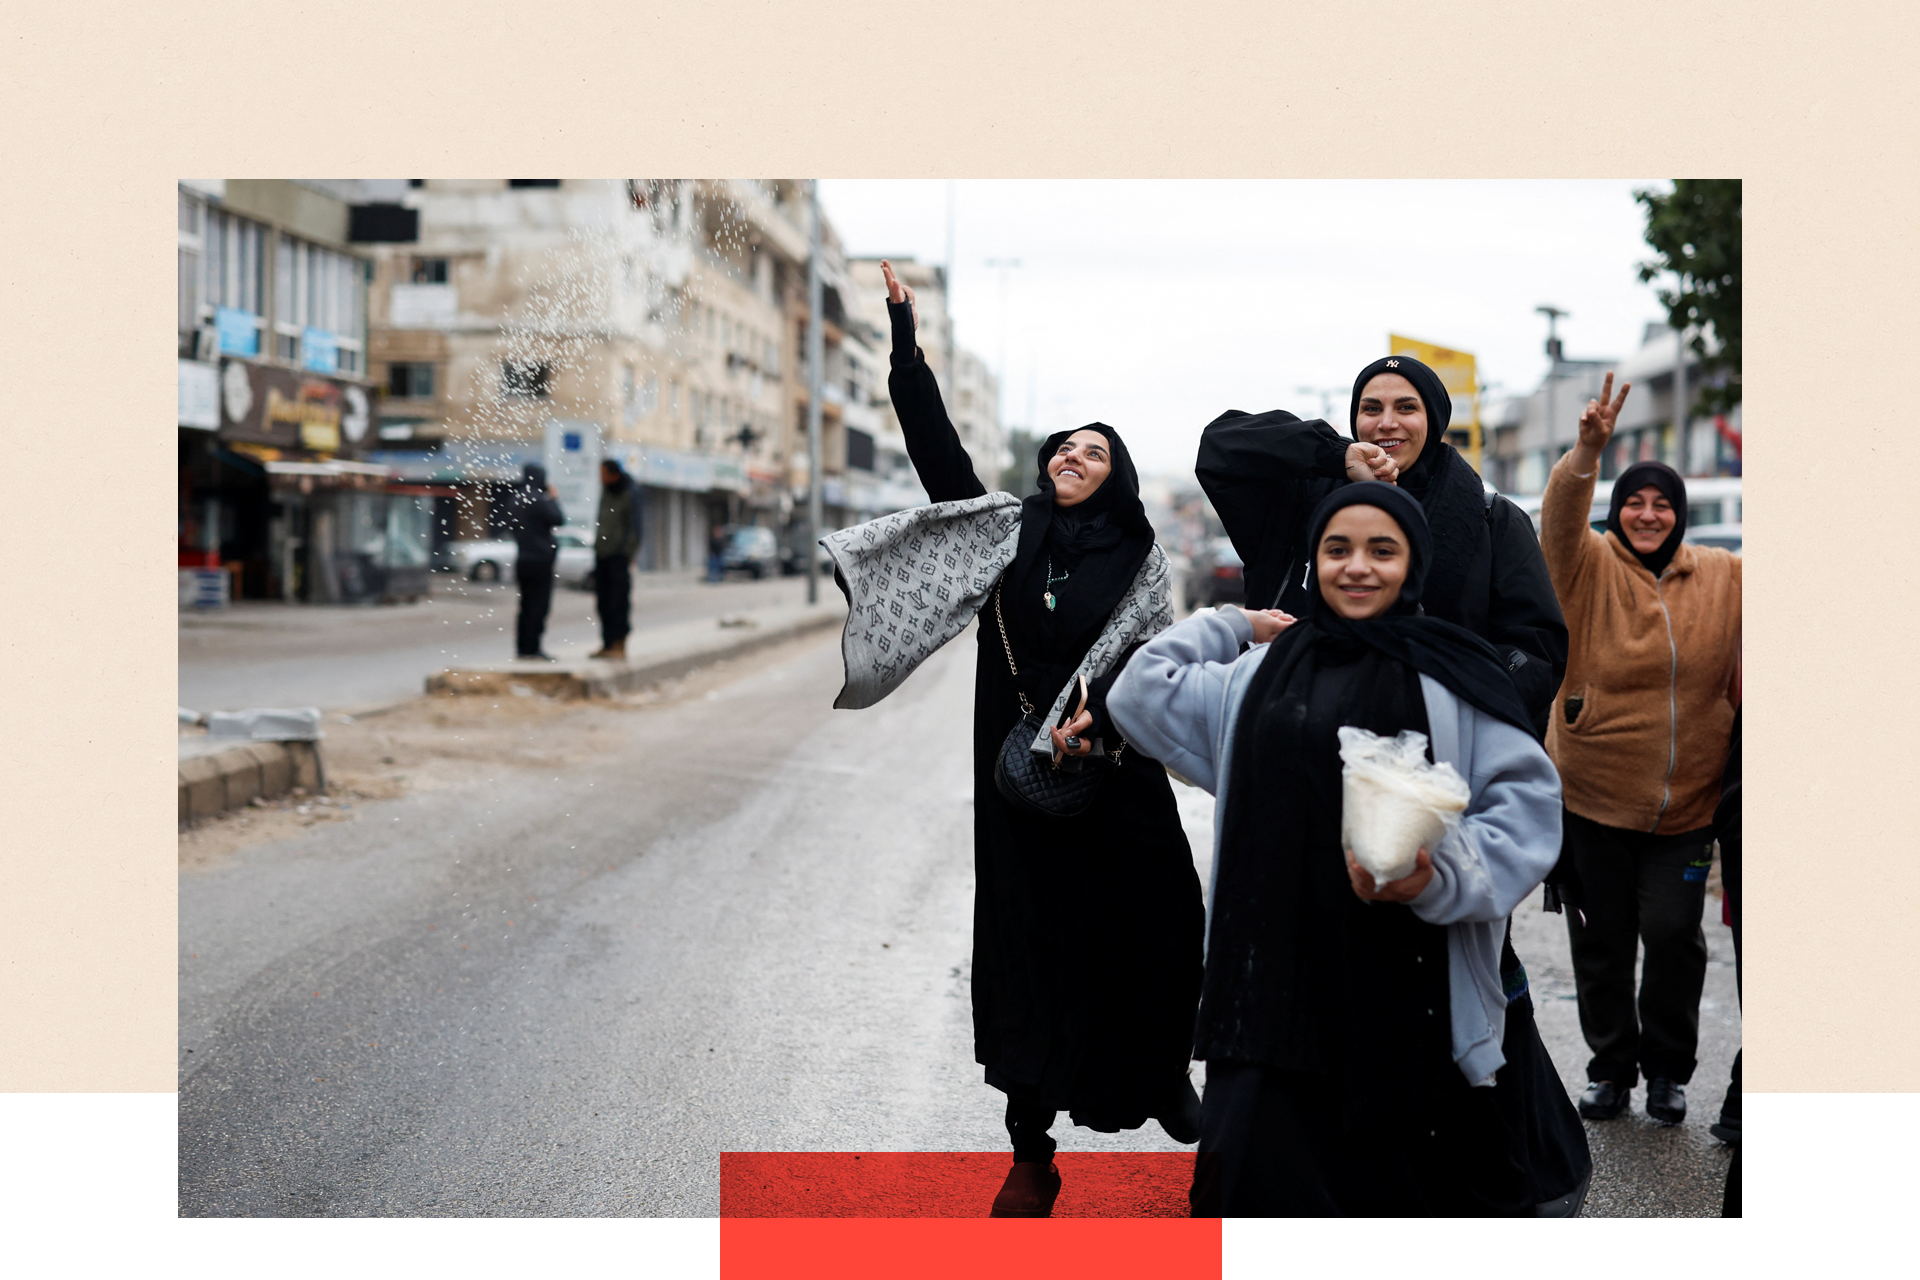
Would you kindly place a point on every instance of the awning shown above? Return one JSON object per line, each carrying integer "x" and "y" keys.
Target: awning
{"x": 331, "y": 467}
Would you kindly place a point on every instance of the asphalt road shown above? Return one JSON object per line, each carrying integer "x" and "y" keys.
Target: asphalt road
{"x": 271, "y": 654}
{"x": 742, "y": 925}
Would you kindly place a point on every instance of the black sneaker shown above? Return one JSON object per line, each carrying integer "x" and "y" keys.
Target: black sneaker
{"x": 1727, "y": 1129}
{"x": 1666, "y": 1101}
{"x": 1603, "y": 1100}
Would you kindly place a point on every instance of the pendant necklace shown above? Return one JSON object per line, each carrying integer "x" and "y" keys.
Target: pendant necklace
{"x": 1050, "y": 581}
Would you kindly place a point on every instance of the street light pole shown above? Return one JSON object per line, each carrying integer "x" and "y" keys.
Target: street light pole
{"x": 1553, "y": 315}
{"x": 1680, "y": 406}
{"x": 1000, "y": 399}
{"x": 816, "y": 341}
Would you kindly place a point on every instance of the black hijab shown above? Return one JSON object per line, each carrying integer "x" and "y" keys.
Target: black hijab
{"x": 1449, "y": 490}
{"x": 1462, "y": 661}
{"x": 1301, "y": 974}
{"x": 1667, "y": 481}
{"x": 1099, "y": 545}
{"x": 1439, "y": 405}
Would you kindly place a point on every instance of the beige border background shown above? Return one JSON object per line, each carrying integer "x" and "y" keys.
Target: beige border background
{"x": 106, "y": 105}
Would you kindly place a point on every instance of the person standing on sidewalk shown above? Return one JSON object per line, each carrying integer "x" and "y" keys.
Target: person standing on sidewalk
{"x": 616, "y": 541}
{"x": 1726, "y": 829}
{"x": 536, "y": 514}
{"x": 1640, "y": 733}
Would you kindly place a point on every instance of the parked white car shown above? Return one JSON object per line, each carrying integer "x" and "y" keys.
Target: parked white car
{"x": 492, "y": 559}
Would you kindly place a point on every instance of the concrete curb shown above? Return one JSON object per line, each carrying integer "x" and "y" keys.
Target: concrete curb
{"x": 605, "y": 680}
{"x": 229, "y": 779}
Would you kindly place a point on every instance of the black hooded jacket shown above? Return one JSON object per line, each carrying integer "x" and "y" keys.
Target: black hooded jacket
{"x": 1265, "y": 473}
{"x": 535, "y": 515}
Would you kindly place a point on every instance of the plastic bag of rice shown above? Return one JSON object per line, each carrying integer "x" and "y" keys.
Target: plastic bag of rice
{"x": 1394, "y": 803}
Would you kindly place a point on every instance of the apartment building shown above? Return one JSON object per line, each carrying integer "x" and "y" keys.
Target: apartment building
{"x": 275, "y": 497}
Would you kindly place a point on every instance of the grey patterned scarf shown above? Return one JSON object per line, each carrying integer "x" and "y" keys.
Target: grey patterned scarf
{"x": 916, "y": 578}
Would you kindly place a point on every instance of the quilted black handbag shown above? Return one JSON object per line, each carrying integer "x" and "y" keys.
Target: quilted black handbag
{"x": 1060, "y": 789}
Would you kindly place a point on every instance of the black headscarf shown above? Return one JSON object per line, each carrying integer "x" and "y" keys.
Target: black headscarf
{"x": 1667, "y": 481}
{"x": 1099, "y": 545}
{"x": 1301, "y": 974}
{"x": 1449, "y": 490}
{"x": 1439, "y": 405}
{"x": 1462, "y": 661}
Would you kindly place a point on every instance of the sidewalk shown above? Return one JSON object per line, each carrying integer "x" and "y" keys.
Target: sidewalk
{"x": 345, "y": 657}
{"x": 656, "y": 654}
{"x": 357, "y": 659}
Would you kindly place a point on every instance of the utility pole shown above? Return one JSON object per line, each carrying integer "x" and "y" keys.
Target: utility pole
{"x": 1003, "y": 264}
{"x": 1680, "y": 405}
{"x": 1553, "y": 315}
{"x": 946, "y": 303}
{"x": 816, "y": 349}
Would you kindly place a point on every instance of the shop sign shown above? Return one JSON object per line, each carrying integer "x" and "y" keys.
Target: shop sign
{"x": 199, "y": 395}
{"x": 354, "y": 421}
{"x": 281, "y": 408}
{"x": 319, "y": 351}
{"x": 693, "y": 472}
{"x": 239, "y": 331}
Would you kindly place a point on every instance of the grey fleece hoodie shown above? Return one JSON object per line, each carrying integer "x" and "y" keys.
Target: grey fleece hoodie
{"x": 1178, "y": 700}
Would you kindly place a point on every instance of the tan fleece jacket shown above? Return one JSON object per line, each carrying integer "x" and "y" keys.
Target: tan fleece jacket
{"x": 1641, "y": 724}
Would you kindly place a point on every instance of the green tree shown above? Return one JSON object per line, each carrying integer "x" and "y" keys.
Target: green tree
{"x": 1695, "y": 230}
{"x": 1021, "y": 476}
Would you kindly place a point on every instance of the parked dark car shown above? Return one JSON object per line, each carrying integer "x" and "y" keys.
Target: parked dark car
{"x": 794, "y": 561}
{"x": 751, "y": 549}
{"x": 1215, "y": 577}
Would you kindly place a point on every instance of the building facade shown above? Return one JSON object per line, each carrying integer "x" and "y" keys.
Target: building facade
{"x": 1526, "y": 435}
{"x": 276, "y": 499}
{"x": 418, "y": 342}
{"x": 646, "y": 321}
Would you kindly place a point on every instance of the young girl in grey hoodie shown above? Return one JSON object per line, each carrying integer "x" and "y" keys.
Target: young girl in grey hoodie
{"x": 1351, "y": 1031}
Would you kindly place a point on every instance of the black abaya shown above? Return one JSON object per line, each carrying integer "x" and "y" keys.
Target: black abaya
{"x": 1264, "y": 474}
{"x": 1087, "y": 931}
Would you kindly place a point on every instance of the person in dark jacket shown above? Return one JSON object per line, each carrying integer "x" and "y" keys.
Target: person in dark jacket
{"x": 1087, "y": 931}
{"x": 536, "y": 514}
{"x": 1726, "y": 828}
{"x": 616, "y": 541}
{"x": 1264, "y": 474}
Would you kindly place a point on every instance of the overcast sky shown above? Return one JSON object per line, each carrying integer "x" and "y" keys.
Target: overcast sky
{"x": 1155, "y": 305}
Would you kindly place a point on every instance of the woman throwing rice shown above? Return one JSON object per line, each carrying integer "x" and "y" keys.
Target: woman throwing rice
{"x": 1351, "y": 1031}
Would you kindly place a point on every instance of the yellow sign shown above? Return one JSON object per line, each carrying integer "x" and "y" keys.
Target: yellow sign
{"x": 1458, "y": 375}
{"x": 317, "y": 418}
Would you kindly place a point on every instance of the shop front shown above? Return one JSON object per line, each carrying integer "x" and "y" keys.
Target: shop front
{"x": 275, "y": 496}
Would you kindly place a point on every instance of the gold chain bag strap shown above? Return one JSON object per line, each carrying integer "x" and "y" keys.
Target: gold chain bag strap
{"x": 1060, "y": 789}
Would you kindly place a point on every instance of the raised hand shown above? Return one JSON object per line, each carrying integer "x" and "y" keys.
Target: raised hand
{"x": 1599, "y": 417}
{"x": 1370, "y": 462}
{"x": 897, "y": 292}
